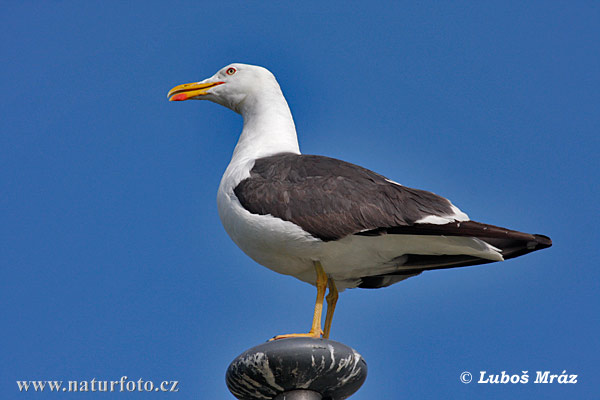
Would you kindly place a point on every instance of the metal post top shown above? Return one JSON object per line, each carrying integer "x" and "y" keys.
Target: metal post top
{"x": 297, "y": 369}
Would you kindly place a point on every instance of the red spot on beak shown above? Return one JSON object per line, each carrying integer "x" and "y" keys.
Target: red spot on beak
{"x": 179, "y": 97}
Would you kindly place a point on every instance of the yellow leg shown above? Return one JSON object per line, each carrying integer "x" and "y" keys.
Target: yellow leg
{"x": 315, "y": 330}
{"x": 332, "y": 298}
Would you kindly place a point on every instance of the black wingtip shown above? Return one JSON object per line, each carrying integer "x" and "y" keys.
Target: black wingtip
{"x": 543, "y": 241}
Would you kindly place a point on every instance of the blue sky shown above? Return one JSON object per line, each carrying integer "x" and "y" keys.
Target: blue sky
{"x": 114, "y": 261}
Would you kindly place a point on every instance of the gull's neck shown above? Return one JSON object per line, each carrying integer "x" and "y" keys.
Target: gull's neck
{"x": 268, "y": 127}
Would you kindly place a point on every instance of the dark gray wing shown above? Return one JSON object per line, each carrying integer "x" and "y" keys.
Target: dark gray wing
{"x": 330, "y": 198}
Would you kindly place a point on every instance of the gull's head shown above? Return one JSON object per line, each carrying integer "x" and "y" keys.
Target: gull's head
{"x": 234, "y": 86}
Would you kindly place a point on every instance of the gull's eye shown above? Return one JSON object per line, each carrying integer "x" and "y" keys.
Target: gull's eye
{"x": 230, "y": 71}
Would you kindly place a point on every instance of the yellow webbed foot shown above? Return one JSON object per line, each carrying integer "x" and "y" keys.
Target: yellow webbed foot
{"x": 316, "y": 335}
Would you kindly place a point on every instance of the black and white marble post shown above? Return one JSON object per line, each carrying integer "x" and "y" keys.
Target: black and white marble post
{"x": 297, "y": 369}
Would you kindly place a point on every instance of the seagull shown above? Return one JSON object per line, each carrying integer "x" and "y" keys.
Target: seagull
{"x": 328, "y": 222}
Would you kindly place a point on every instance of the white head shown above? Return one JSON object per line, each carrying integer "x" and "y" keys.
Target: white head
{"x": 236, "y": 86}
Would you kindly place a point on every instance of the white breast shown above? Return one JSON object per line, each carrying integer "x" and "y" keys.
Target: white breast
{"x": 278, "y": 245}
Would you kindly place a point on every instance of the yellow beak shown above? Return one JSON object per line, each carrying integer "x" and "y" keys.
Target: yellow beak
{"x": 190, "y": 90}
